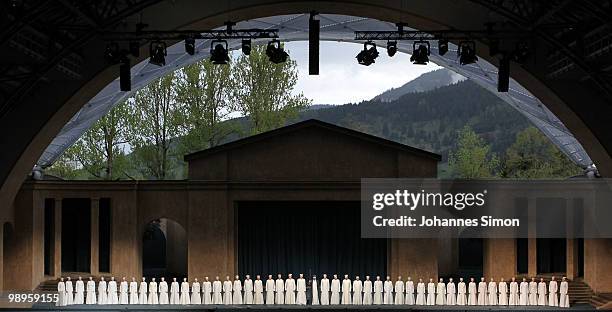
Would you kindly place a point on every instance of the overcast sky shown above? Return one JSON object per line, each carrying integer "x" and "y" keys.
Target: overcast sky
{"x": 341, "y": 80}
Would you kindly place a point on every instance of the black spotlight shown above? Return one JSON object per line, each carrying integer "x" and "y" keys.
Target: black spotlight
{"x": 134, "y": 47}
{"x": 391, "y": 48}
{"x": 190, "y": 46}
{"x": 368, "y": 55}
{"x": 442, "y": 46}
{"x": 112, "y": 54}
{"x": 467, "y": 52}
{"x": 125, "y": 79}
{"x": 218, "y": 52}
{"x": 157, "y": 53}
{"x": 275, "y": 52}
{"x": 246, "y": 46}
{"x": 420, "y": 53}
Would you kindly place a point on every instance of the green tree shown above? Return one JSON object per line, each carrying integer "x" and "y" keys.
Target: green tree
{"x": 472, "y": 159}
{"x": 263, "y": 91}
{"x": 533, "y": 156}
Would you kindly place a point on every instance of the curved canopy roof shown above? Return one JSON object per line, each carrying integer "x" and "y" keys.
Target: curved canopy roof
{"x": 333, "y": 28}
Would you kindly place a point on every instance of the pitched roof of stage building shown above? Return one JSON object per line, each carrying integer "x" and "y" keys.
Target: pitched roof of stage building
{"x": 307, "y": 124}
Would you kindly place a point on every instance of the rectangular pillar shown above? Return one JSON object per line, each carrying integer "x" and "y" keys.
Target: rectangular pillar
{"x": 499, "y": 258}
{"x": 57, "y": 246}
{"x": 95, "y": 217}
{"x": 414, "y": 257}
{"x": 532, "y": 250}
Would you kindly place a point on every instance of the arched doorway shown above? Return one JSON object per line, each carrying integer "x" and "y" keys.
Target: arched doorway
{"x": 164, "y": 249}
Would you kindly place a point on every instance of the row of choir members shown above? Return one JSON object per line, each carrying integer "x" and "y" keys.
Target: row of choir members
{"x": 348, "y": 292}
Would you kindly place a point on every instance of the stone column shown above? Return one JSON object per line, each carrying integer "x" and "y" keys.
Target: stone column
{"x": 532, "y": 250}
{"x": 95, "y": 218}
{"x": 414, "y": 257}
{"x": 57, "y": 238}
{"x": 571, "y": 258}
{"x": 499, "y": 258}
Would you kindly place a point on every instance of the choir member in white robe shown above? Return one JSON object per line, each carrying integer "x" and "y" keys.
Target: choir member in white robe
{"x": 248, "y": 290}
{"x": 461, "y": 290}
{"x": 315, "y": 291}
{"x": 270, "y": 286}
{"x": 451, "y": 298}
{"x": 102, "y": 292}
{"x": 301, "y": 290}
{"x": 123, "y": 292}
{"x": 472, "y": 292}
{"x": 174, "y": 292}
{"x": 357, "y": 291}
{"x": 399, "y": 291}
{"x": 325, "y": 290}
{"x": 409, "y": 299}
{"x": 533, "y": 292}
{"x": 524, "y": 292}
{"x": 196, "y": 298}
{"x": 431, "y": 292}
{"x": 542, "y": 293}
{"x": 492, "y": 292}
{"x": 279, "y": 289}
{"x": 91, "y": 291}
{"x": 217, "y": 287}
{"x": 346, "y": 290}
{"x": 133, "y": 291}
{"x": 207, "y": 291}
{"x": 79, "y": 291}
{"x": 69, "y": 292}
{"x": 289, "y": 289}
{"x": 258, "y": 290}
{"x": 227, "y": 291}
{"x": 61, "y": 293}
{"x": 112, "y": 297}
{"x": 441, "y": 293}
{"x": 513, "y": 299}
{"x": 335, "y": 290}
{"x": 184, "y": 298}
{"x": 153, "y": 297}
{"x": 553, "y": 300}
{"x": 367, "y": 291}
{"x": 163, "y": 292}
{"x": 563, "y": 289}
{"x": 420, "y": 297}
{"x": 237, "y": 290}
{"x": 503, "y": 292}
{"x": 388, "y": 288}
{"x": 142, "y": 293}
{"x": 482, "y": 292}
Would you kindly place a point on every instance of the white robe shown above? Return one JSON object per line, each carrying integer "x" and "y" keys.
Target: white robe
{"x": 420, "y": 297}
{"x": 217, "y": 287}
{"x": 482, "y": 293}
{"x": 357, "y": 290}
{"x": 153, "y": 298}
{"x": 325, "y": 291}
{"x": 503, "y": 293}
{"x": 378, "y": 292}
{"x": 440, "y": 293}
{"x": 102, "y": 293}
{"x": 196, "y": 298}
{"x": 237, "y": 288}
{"x": 315, "y": 293}
{"x": 79, "y": 295}
{"x": 451, "y": 298}
{"x": 564, "y": 300}
{"x": 227, "y": 292}
{"x": 335, "y": 291}
{"x": 91, "y": 292}
{"x": 523, "y": 293}
{"x": 184, "y": 297}
{"x": 492, "y": 293}
{"x": 69, "y": 293}
{"x": 279, "y": 288}
{"x": 163, "y": 293}
{"x": 513, "y": 299}
{"x": 61, "y": 294}
{"x": 542, "y": 293}
{"x": 461, "y": 297}
{"x": 399, "y": 292}
{"x": 290, "y": 291}
{"x": 409, "y": 299}
{"x": 112, "y": 297}
{"x": 533, "y": 293}
{"x": 174, "y": 293}
{"x": 248, "y": 291}
{"x": 472, "y": 293}
{"x": 553, "y": 300}
{"x": 270, "y": 286}
{"x": 207, "y": 292}
{"x": 346, "y": 291}
{"x": 258, "y": 289}
{"x": 388, "y": 294}
{"x": 142, "y": 294}
{"x": 123, "y": 293}
{"x": 301, "y": 292}
{"x": 133, "y": 292}
{"x": 367, "y": 292}
{"x": 431, "y": 293}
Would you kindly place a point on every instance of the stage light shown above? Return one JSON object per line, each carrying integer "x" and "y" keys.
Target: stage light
{"x": 246, "y": 46}
{"x": 368, "y": 55}
{"x": 218, "y": 52}
{"x": 391, "y": 48}
{"x": 125, "y": 78}
{"x": 276, "y": 53}
{"x": 420, "y": 54}
{"x": 157, "y": 53}
{"x": 442, "y": 46}
{"x": 190, "y": 46}
{"x": 134, "y": 47}
{"x": 467, "y": 52}
{"x": 112, "y": 53}
{"x": 503, "y": 74}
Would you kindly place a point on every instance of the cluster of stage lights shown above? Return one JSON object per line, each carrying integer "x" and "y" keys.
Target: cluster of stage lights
{"x": 421, "y": 50}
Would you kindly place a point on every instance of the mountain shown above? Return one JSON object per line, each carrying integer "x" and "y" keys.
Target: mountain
{"x": 426, "y": 82}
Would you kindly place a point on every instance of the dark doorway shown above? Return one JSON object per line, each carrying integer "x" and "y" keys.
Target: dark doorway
{"x": 522, "y": 255}
{"x": 580, "y": 247}
{"x": 104, "y": 235}
{"x": 551, "y": 255}
{"x": 471, "y": 255}
{"x": 49, "y": 237}
{"x": 76, "y": 234}
{"x": 164, "y": 250}
{"x": 305, "y": 237}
